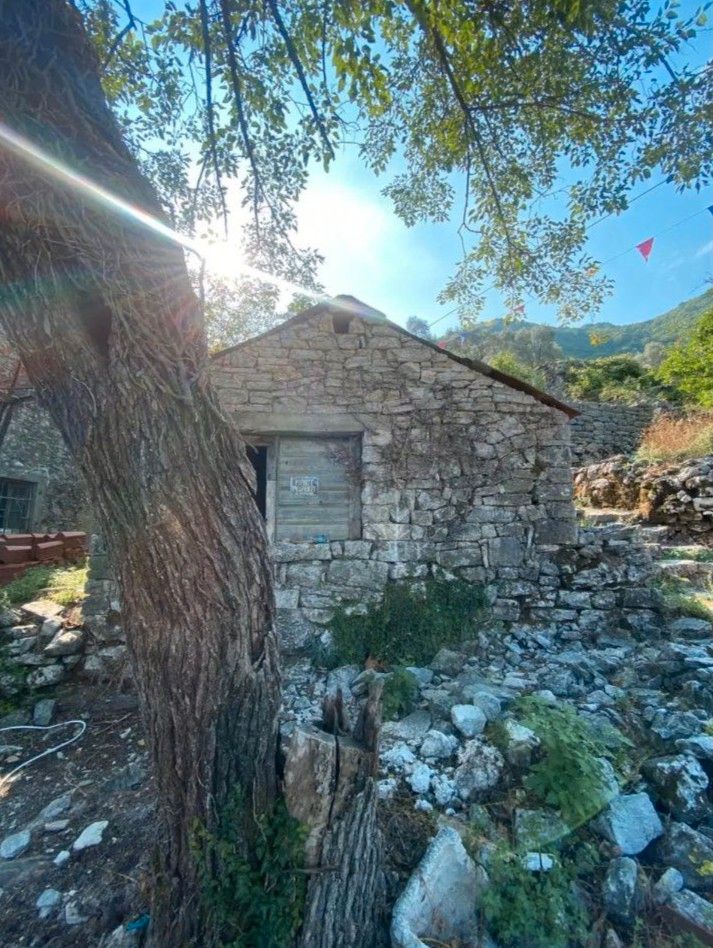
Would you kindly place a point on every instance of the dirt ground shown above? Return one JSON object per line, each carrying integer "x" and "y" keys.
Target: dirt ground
{"x": 105, "y": 772}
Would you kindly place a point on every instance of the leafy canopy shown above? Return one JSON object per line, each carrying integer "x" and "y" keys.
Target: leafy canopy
{"x": 486, "y": 105}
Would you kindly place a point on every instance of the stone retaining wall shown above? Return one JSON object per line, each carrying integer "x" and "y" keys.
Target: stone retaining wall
{"x": 606, "y": 428}
{"x": 600, "y": 583}
{"x": 677, "y": 495}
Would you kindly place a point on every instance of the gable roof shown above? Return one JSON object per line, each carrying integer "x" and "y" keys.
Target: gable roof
{"x": 351, "y": 306}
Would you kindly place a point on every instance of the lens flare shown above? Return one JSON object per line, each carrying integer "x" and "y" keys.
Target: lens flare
{"x": 212, "y": 254}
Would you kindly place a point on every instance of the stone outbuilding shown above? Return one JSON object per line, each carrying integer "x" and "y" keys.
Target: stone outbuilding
{"x": 378, "y": 456}
{"x": 381, "y": 456}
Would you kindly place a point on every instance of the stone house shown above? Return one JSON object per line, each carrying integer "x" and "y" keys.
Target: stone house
{"x": 380, "y": 456}
{"x": 39, "y": 488}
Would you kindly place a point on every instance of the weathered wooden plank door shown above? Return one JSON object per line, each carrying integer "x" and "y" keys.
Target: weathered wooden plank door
{"x": 318, "y": 489}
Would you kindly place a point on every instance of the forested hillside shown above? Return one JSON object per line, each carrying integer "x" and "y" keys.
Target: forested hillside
{"x": 594, "y": 340}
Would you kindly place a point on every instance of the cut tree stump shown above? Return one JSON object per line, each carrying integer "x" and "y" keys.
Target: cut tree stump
{"x": 330, "y": 787}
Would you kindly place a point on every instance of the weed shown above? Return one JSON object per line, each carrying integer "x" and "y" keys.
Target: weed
{"x": 674, "y": 438}
{"x": 63, "y": 585}
{"x": 399, "y": 694}
{"x": 572, "y": 776}
{"x": 680, "y": 599}
{"x": 410, "y": 624}
{"x": 255, "y": 903}
{"x": 13, "y": 683}
{"x": 536, "y": 909}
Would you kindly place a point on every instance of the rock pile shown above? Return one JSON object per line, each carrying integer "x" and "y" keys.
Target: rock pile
{"x": 43, "y": 643}
{"x": 463, "y": 750}
{"x": 676, "y": 495}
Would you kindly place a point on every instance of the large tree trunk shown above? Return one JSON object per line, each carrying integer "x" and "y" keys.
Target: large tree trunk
{"x": 102, "y": 313}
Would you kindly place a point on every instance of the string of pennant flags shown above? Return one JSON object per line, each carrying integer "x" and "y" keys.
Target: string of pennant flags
{"x": 644, "y": 248}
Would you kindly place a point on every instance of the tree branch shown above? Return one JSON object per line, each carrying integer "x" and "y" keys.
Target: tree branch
{"x": 296, "y": 62}
{"x": 442, "y": 52}
{"x": 240, "y": 110}
{"x": 205, "y": 28}
{"x": 131, "y": 24}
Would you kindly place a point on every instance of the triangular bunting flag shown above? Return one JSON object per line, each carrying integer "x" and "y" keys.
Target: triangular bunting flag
{"x": 644, "y": 247}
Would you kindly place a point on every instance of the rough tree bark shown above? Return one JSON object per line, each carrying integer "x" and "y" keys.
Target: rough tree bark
{"x": 103, "y": 316}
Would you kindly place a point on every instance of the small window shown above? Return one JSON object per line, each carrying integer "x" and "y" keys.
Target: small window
{"x": 16, "y": 505}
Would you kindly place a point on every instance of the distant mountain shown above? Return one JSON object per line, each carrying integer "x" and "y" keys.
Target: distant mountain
{"x": 576, "y": 340}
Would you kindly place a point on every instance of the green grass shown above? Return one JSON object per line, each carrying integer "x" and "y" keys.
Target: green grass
{"x": 63, "y": 585}
{"x": 410, "y": 624}
{"x": 684, "y": 553}
{"x": 682, "y": 600}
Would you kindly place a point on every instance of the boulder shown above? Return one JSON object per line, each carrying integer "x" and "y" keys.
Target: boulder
{"x": 440, "y": 899}
{"x": 622, "y": 892}
{"x": 46, "y": 677}
{"x": 66, "y": 642}
{"x": 488, "y": 703}
{"x": 399, "y": 758}
{"x": 447, "y": 662}
{"x": 671, "y": 881}
{"x": 90, "y": 836}
{"x": 688, "y": 851}
{"x": 47, "y": 902}
{"x": 670, "y": 725}
{"x": 536, "y": 828}
{"x": 480, "y": 766}
{"x": 15, "y": 844}
{"x": 680, "y": 784}
{"x": 420, "y": 779}
{"x": 630, "y": 822}
{"x": 692, "y": 912}
{"x": 520, "y": 742}
{"x": 468, "y": 720}
{"x": 43, "y": 712}
{"x": 413, "y": 727}
{"x": 439, "y": 745}
{"x": 700, "y": 746}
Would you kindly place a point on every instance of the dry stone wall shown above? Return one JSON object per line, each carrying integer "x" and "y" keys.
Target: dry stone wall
{"x": 603, "y": 429}
{"x": 677, "y": 495}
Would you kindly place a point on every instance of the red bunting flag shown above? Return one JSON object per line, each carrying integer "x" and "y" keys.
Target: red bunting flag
{"x": 441, "y": 344}
{"x": 645, "y": 247}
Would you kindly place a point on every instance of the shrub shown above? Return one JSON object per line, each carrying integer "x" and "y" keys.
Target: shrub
{"x": 410, "y": 624}
{"x": 690, "y": 366}
{"x": 399, "y": 694}
{"x": 256, "y": 903}
{"x": 618, "y": 378}
{"x": 672, "y": 438}
{"x": 63, "y": 585}
{"x": 572, "y": 775}
{"x": 533, "y": 909}
{"x": 507, "y": 362}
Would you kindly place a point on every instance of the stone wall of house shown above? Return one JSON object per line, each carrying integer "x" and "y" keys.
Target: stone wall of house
{"x": 601, "y": 583}
{"x": 461, "y": 474}
{"x": 603, "y": 429}
{"x": 33, "y": 450}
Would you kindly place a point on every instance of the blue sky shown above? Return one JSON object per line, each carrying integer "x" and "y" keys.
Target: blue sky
{"x": 371, "y": 254}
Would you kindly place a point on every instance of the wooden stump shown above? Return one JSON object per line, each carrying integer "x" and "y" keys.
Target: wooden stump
{"x": 329, "y": 786}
